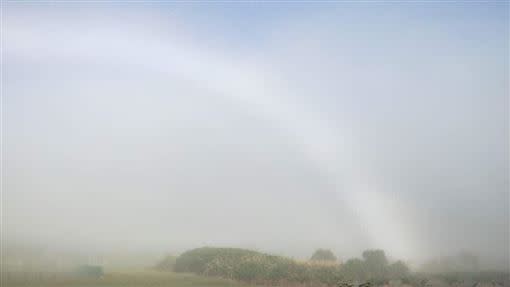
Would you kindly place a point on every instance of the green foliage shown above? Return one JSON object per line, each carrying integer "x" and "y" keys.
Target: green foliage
{"x": 200, "y": 259}
{"x": 355, "y": 269}
{"x": 258, "y": 268}
{"x": 253, "y": 267}
{"x": 325, "y": 274}
{"x": 376, "y": 263}
{"x": 323, "y": 255}
{"x": 398, "y": 270}
{"x": 500, "y": 277}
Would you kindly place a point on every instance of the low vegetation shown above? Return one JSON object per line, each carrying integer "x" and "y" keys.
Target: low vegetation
{"x": 323, "y": 255}
{"x": 495, "y": 278}
{"x": 264, "y": 269}
{"x": 232, "y": 267}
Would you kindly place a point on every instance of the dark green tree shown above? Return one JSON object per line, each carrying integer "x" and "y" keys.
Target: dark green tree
{"x": 376, "y": 263}
{"x": 354, "y": 269}
{"x": 323, "y": 255}
{"x": 398, "y": 270}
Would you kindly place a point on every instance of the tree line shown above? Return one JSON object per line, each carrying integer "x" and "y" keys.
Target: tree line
{"x": 259, "y": 268}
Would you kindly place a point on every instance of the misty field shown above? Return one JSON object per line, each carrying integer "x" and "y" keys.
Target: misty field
{"x": 138, "y": 278}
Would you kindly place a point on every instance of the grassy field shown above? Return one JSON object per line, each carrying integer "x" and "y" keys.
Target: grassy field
{"x": 137, "y": 278}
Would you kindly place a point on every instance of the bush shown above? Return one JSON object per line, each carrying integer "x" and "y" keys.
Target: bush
{"x": 259, "y": 268}
{"x": 197, "y": 260}
{"x": 376, "y": 264}
{"x": 323, "y": 255}
{"x": 398, "y": 270}
{"x": 328, "y": 275}
{"x": 253, "y": 267}
{"x": 354, "y": 270}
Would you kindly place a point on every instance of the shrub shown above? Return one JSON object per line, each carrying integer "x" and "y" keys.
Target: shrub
{"x": 354, "y": 270}
{"x": 398, "y": 270}
{"x": 376, "y": 264}
{"x": 328, "y": 275}
{"x": 259, "y": 268}
{"x": 253, "y": 267}
{"x": 323, "y": 255}
{"x": 196, "y": 260}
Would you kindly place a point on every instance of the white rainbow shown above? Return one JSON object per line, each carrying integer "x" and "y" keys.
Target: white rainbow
{"x": 247, "y": 84}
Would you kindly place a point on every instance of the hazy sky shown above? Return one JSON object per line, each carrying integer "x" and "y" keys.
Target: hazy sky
{"x": 282, "y": 127}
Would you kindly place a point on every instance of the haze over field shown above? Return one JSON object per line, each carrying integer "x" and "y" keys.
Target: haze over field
{"x": 282, "y": 127}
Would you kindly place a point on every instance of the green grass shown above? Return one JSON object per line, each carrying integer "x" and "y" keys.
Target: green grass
{"x": 144, "y": 278}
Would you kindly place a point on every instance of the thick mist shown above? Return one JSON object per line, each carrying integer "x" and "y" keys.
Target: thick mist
{"x": 278, "y": 127}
